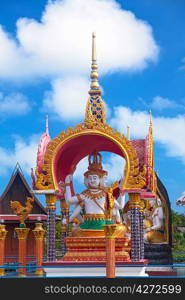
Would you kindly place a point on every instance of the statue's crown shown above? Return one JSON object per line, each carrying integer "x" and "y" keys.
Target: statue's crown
{"x": 95, "y": 165}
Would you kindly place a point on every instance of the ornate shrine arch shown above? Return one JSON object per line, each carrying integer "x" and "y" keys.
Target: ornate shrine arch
{"x": 69, "y": 147}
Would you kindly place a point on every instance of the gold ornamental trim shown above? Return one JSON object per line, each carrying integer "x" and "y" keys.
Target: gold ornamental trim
{"x": 99, "y": 253}
{"x": 113, "y": 230}
{"x": 22, "y": 211}
{"x": 39, "y": 232}
{"x": 2, "y": 272}
{"x": 22, "y": 233}
{"x": 3, "y": 232}
{"x": 51, "y": 201}
{"x": 134, "y": 176}
{"x": 94, "y": 196}
{"x": 94, "y": 217}
{"x": 63, "y": 205}
{"x": 134, "y": 200}
{"x": 90, "y": 119}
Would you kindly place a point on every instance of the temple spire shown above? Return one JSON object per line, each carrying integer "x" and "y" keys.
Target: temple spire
{"x": 128, "y": 133}
{"x": 93, "y": 47}
{"x": 95, "y": 110}
{"x": 47, "y": 127}
{"x": 94, "y": 68}
{"x": 151, "y": 126}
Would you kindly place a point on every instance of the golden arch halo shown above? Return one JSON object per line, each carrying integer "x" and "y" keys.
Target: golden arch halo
{"x": 134, "y": 177}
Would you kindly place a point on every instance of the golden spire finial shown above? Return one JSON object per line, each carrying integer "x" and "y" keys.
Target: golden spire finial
{"x": 95, "y": 110}
{"x": 94, "y": 68}
{"x": 128, "y": 133}
{"x": 93, "y": 47}
{"x": 150, "y": 126}
{"x": 47, "y": 127}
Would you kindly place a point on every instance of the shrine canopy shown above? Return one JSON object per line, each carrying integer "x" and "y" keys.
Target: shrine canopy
{"x": 59, "y": 157}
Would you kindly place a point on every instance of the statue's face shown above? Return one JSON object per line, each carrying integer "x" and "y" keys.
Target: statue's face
{"x": 93, "y": 181}
{"x": 104, "y": 181}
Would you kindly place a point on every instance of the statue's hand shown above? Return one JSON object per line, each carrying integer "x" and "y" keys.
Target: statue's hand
{"x": 68, "y": 178}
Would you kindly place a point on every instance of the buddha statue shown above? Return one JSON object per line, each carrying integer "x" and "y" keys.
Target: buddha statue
{"x": 154, "y": 222}
{"x": 97, "y": 201}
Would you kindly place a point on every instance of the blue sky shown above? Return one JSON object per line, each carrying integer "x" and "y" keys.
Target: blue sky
{"x": 45, "y": 66}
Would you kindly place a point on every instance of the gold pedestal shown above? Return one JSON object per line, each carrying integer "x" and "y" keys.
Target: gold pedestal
{"x": 93, "y": 249}
{"x": 2, "y": 272}
{"x": 88, "y": 233}
{"x": 39, "y": 272}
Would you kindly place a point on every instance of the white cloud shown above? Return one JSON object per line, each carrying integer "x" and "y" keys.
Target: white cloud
{"x": 81, "y": 168}
{"x": 60, "y": 44}
{"x": 24, "y": 153}
{"x": 15, "y": 63}
{"x": 160, "y": 103}
{"x": 112, "y": 163}
{"x": 68, "y": 97}
{"x": 58, "y": 47}
{"x": 169, "y": 132}
{"x": 14, "y": 104}
{"x": 137, "y": 121}
{"x": 115, "y": 166}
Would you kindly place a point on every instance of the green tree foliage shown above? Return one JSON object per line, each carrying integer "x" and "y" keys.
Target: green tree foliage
{"x": 58, "y": 230}
{"x": 178, "y": 220}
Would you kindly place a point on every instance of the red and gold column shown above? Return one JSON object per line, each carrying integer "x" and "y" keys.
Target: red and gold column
{"x": 134, "y": 209}
{"x": 141, "y": 216}
{"x": 111, "y": 232}
{"x": 51, "y": 230}
{"x": 39, "y": 233}
{"x": 3, "y": 233}
{"x": 22, "y": 234}
{"x": 64, "y": 224}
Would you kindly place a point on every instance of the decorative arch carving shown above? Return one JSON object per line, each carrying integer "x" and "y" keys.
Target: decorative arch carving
{"x": 134, "y": 176}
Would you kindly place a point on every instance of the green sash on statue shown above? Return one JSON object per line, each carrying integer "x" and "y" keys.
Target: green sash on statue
{"x": 94, "y": 224}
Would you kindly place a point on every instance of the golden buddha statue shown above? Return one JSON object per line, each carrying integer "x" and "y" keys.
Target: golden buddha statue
{"x": 153, "y": 222}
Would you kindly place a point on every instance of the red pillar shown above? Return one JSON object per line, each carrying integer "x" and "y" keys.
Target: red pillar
{"x": 111, "y": 232}
{"x": 110, "y": 259}
{"x": 3, "y": 233}
{"x": 22, "y": 234}
{"x": 39, "y": 240}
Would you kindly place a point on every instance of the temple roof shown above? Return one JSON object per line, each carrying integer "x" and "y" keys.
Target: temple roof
{"x": 18, "y": 190}
{"x": 43, "y": 143}
{"x": 139, "y": 146}
{"x": 163, "y": 195}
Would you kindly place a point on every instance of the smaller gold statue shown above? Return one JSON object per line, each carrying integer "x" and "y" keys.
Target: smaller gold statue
{"x": 22, "y": 211}
{"x": 154, "y": 223}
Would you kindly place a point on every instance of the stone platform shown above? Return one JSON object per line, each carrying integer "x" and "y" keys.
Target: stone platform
{"x": 161, "y": 271}
{"x": 89, "y": 269}
{"x": 93, "y": 249}
{"x": 158, "y": 254}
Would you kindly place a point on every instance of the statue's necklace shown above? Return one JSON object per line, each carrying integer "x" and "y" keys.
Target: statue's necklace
{"x": 93, "y": 196}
